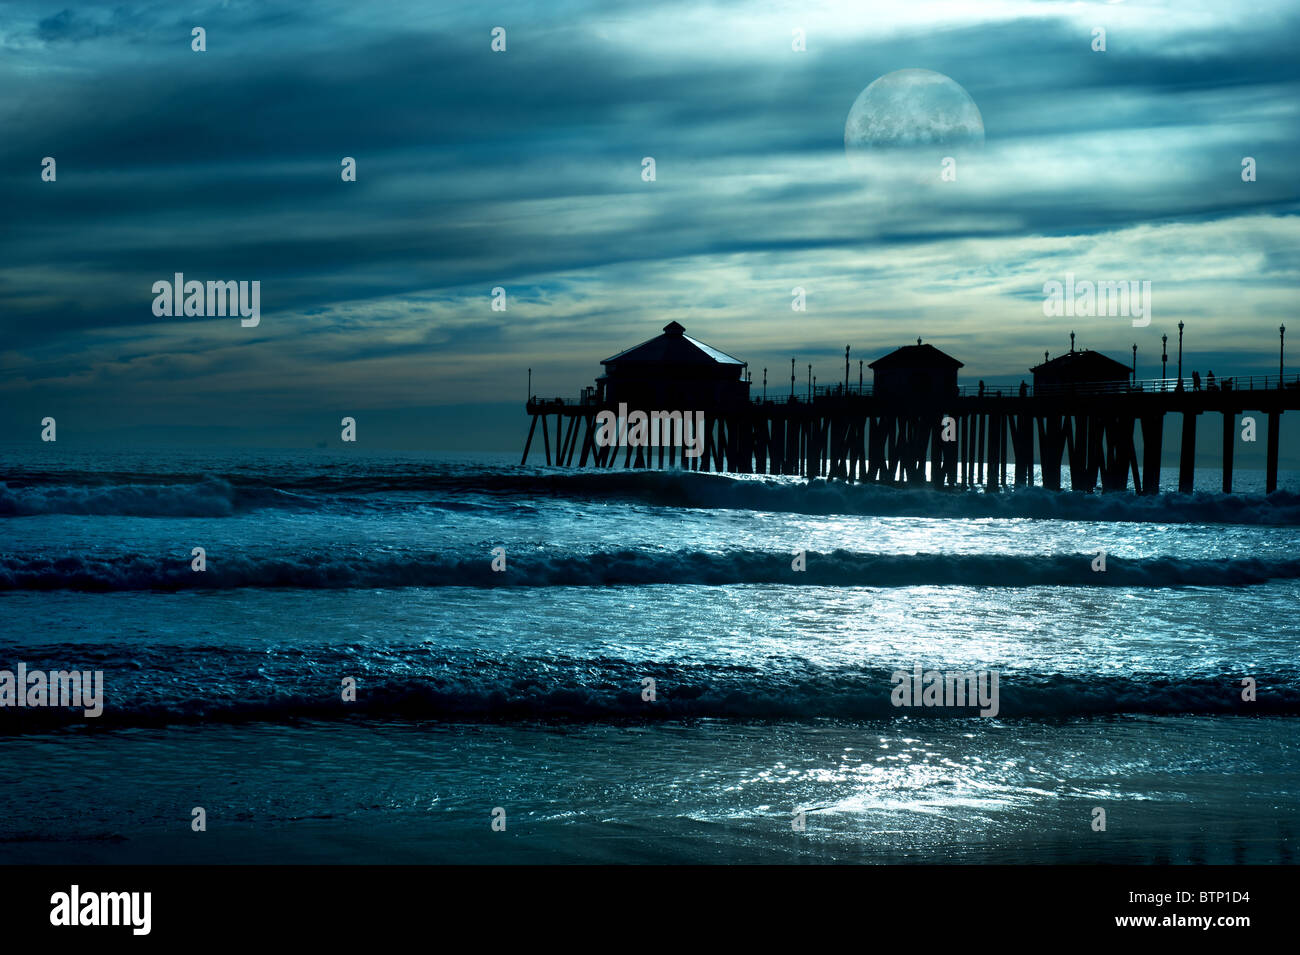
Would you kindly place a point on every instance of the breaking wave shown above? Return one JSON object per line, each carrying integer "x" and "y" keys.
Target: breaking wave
{"x": 220, "y": 496}
{"x": 611, "y": 690}
{"x": 332, "y": 570}
{"x": 208, "y": 498}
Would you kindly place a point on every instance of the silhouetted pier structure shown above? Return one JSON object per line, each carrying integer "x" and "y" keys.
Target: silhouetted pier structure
{"x": 914, "y": 426}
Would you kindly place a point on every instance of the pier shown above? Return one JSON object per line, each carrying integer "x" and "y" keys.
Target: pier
{"x": 937, "y": 434}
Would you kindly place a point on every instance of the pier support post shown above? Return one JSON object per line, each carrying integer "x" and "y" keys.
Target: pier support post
{"x": 991, "y": 452}
{"x": 1121, "y": 455}
{"x": 1078, "y": 445}
{"x": 1153, "y": 432}
{"x": 858, "y": 470}
{"x": 1270, "y": 478}
{"x": 1096, "y": 454}
{"x": 1022, "y": 427}
{"x": 1051, "y": 444}
{"x": 1004, "y": 426}
{"x": 1129, "y": 426}
{"x": 882, "y": 436}
{"x": 588, "y": 446}
{"x": 1229, "y": 429}
{"x": 888, "y": 446}
{"x": 937, "y": 451}
{"x": 1187, "y": 454}
{"x": 788, "y": 440}
{"x": 529, "y": 443}
{"x": 963, "y": 440}
{"x": 954, "y": 460}
{"x": 570, "y": 436}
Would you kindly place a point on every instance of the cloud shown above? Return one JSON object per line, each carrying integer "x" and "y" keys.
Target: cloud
{"x": 523, "y": 170}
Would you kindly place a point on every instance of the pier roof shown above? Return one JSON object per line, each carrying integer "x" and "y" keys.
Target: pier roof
{"x": 675, "y": 347}
{"x": 1085, "y": 364}
{"x": 916, "y": 356}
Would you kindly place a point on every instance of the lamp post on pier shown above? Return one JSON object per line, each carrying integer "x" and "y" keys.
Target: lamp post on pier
{"x": 792, "y": 379}
{"x": 846, "y": 369}
{"x": 1281, "y": 352}
{"x": 1135, "y": 363}
{"x": 764, "y": 384}
{"x": 1164, "y": 359}
{"x": 1180, "y": 354}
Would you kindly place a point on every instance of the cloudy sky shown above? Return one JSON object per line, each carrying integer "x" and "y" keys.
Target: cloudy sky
{"x": 523, "y": 169}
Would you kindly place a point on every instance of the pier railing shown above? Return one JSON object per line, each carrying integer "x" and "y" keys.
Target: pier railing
{"x": 1144, "y": 386}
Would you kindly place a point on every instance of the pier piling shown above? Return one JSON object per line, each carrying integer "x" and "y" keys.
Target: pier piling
{"x": 859, "y": 436}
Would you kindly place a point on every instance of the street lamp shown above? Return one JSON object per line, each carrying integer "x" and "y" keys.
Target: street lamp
{"x": 846, "y": 369}
{"x": 859, "y": 376}
{"x": 1135, "y": 363}
{"x": 1180, "y": 354}
{"x": 810, "y": 381}
{"x": 792, "y": 379}
{"x": 764, "y": 384}
{"x": 1281, "y": 352}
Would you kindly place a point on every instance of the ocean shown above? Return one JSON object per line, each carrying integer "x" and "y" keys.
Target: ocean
{"x": 644, "y": 676}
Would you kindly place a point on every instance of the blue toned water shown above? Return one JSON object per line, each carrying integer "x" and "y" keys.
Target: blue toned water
{"x": 523, "y": 689}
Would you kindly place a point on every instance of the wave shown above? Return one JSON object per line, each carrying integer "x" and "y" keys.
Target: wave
{"x": 220, "y": 496}
{"x": 332, "y": 570}
{"x": 212, "y": 497}
{"x": 820, "y": 497}
{"x": 612, "y": 691}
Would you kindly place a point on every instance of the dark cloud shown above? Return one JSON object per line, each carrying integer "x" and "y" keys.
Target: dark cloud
{"x": 478, "y": 169}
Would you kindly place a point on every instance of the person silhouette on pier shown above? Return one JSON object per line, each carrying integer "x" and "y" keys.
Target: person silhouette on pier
{"x": 1209, "y": 378}
{"x": 981, "y": 388}
{"x": 1196, "y": 381}
{"x": 1024, "y": 389}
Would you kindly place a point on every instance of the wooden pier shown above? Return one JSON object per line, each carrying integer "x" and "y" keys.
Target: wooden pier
{"x": 961, "y": 441}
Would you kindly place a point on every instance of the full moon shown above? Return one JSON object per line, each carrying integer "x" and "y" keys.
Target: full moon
{"x": 910, "y": 109}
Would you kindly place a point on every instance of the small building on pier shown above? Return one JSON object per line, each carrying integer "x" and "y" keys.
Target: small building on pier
{"x": 915, "y": 373}
{"x": 673, "y": 371}
{"x": 1076, "y": 368}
